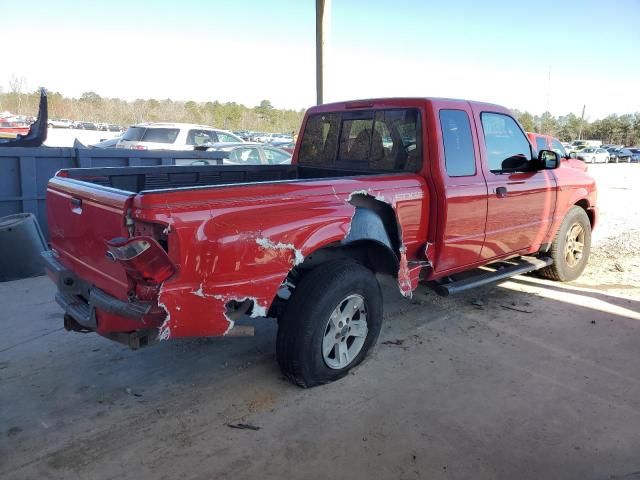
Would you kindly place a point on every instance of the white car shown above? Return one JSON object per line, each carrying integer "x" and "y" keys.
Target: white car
{"x": 62, "y": 123}
{"x": 593, "y": 155}
{"x": 272, "y": 137}
{"x": 173, "y": 136}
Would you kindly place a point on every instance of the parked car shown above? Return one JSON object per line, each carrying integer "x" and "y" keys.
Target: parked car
{"x": 85, "y": 126}
{"x": 635, "y": 154}
{"x": 109, "y": 143}
{"x": 593, "y": 155}
{"x": 165, "y": 252}
{"x": 61, "y": 123}
{"x": 286, "y": 145}
{"x": 547, "y": 142}
{"x": 173, "y": 136}
{"x": 250, "y": 154}
{"x": 587, "y": 143}
{"x": 620, "y": 155}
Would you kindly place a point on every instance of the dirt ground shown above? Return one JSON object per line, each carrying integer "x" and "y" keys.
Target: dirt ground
{"x": 528, "y": 379}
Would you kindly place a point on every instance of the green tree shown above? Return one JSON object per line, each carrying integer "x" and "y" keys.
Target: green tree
{"x": 526, "y": 120}
{"x": 90, "y": 97}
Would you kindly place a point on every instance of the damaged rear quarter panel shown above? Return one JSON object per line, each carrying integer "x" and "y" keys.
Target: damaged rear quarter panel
{"x": 240, "y": 242}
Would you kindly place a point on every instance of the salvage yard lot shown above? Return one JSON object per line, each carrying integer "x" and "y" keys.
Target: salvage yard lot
{"x": 527, "y": 379}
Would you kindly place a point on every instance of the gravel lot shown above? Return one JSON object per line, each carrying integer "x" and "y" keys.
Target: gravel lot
{"x": 529, "y": 379}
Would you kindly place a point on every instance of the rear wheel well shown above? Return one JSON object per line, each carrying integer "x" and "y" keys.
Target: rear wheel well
{"x": 375, "y": 256}
{"x": 372, "y": 254}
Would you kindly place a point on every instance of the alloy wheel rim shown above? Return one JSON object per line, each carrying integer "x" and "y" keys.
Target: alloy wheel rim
{"x": 345, "y": 332}
{"x": 574, "y": 247}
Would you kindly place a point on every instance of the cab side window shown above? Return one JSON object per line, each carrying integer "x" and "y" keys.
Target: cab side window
{"x": 508, "y": 149}
{"x": 460, "y": 160}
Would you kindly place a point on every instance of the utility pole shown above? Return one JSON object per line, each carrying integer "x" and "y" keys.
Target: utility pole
{"x": 581, "y": 122}
{"x": 549, "y": 91}
{"x": 323, "y": 16}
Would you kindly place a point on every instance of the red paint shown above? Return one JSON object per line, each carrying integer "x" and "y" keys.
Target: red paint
{"x": 240, "y": 241}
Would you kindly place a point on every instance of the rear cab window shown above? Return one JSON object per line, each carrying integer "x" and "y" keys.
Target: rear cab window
{"x": 385, "y": 140}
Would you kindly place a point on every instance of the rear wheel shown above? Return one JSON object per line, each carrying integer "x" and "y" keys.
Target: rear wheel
{"x": 330, "y": 322}
{"x": 570, "y": 247}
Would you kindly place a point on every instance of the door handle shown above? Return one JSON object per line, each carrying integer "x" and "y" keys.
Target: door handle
{"x": 501, "y": 192}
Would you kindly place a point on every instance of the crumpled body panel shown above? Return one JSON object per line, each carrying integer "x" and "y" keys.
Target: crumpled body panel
{"x": 239, "y": 242}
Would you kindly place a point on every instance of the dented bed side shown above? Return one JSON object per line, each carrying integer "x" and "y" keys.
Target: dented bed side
{"x": 237, "y": 244}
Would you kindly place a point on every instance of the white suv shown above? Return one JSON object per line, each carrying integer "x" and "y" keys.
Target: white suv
{"x": 172, "y": 136}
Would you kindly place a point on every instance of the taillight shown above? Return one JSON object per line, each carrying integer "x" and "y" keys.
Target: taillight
{"x": 138, "y": 147}
{"x": 143, "y": 258}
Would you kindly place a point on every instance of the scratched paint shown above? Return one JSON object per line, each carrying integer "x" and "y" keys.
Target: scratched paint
{"x": 164, "y": 330}
{"x": 267, "y": 244}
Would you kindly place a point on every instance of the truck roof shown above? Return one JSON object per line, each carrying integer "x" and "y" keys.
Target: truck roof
{"x": 398, "y": 102}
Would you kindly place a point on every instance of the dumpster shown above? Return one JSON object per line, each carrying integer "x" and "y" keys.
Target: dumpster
{"x": 21, "y": 242}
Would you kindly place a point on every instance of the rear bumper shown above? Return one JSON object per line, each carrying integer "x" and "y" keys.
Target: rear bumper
{"x": 81, "y": 300}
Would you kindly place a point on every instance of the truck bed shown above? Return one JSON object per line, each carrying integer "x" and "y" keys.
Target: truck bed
{"x": 154, "y": 178}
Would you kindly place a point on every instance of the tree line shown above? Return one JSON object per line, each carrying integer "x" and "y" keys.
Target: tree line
{"x": 618, "y": 129}
{"x": 91, "y": 107}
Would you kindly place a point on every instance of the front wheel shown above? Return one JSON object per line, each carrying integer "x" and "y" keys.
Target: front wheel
{"x": 330, "y": 322}
{"x": 570, "y": 247}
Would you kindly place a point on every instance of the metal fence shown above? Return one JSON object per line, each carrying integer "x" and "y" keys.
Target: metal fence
{"x": 24, "y": 172}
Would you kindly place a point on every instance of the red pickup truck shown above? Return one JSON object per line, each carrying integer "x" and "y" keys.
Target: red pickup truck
{"x": 414, "y": 188}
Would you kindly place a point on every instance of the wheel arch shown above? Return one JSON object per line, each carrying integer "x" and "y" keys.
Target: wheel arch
{"x": 585, "y": 205}
{"x": 373, "y": 238}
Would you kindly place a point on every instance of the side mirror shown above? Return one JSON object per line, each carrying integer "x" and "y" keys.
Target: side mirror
{"x": 548, "y": 159}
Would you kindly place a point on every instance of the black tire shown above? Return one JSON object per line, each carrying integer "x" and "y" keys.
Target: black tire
{"x": 305, "y": 320}
{"x": 561, "y": 270}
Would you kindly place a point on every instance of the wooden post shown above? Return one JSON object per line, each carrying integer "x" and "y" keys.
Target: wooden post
{"x": 323, "y": 15}
{"x": 581, "y": 122}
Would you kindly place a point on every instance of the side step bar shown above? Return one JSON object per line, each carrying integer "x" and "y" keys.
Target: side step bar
{"x": 523, "y": 266}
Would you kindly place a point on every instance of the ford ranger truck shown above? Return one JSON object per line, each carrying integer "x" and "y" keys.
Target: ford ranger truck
{"x": 414, "y": 188}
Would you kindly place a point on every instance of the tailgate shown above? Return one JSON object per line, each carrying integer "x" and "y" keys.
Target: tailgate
{"x": 81, "y": 217}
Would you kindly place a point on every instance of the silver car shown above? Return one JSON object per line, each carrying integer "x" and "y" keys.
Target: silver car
{"x": 244, "y": 154}
{"x": 593, "y": 155}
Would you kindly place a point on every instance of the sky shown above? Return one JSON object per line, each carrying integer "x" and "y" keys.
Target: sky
{"x": 535, "y": 56}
